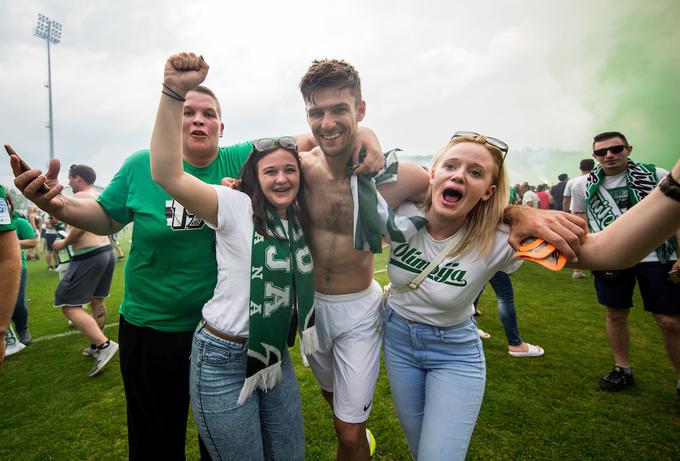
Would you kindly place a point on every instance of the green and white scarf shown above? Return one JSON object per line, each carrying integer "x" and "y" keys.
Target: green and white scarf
{"x": 281, "y": 280}
{"x": 602, "y": 210}
{"x": 372, "y": 217}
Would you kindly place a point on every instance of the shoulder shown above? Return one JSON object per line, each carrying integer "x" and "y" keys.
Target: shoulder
{"x": 243, "y": 148}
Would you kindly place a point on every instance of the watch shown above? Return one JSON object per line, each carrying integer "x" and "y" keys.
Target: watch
{"x": 670, "y": 187}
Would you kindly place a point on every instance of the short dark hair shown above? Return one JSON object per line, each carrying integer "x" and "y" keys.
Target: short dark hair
{"x": 563, "y": 177}
{"x": 250, "y": 185}
{"x": 330, "y": 73}
{"x": 587, "y": 164}
{"x": 84, "y": 171}
{"x": 205, "y": 90}
{"x": 608, "y": 135}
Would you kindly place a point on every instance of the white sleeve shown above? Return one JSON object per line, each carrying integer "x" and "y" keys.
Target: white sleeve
{"x": 578, "y": 197}
{"x": 232, "y": 208}
{"x": 567, "y": 188}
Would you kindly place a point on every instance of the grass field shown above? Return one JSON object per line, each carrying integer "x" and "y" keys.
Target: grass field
{"x": 534, "y": 408}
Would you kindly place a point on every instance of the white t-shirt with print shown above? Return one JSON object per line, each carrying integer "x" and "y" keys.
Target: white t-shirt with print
{"x": 445, "y": 297}
{"x": 617, "y": 187}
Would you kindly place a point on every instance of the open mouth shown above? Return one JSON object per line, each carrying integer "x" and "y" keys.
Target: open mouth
{"x": 452, "y": 196}
{"x": 330, "y": 137}
{"x": 199, "y": 133}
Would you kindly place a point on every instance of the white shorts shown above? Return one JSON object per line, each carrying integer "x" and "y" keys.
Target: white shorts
{"x": 350, "y": 330}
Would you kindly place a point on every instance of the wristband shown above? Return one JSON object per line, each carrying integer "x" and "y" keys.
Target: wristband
{"x": 670, "y": 187}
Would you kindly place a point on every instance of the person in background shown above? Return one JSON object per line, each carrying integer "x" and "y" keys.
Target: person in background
{"x": 557, "y": 192}
{"x": 585, "y": 167}
{"x": 28, "y": 238}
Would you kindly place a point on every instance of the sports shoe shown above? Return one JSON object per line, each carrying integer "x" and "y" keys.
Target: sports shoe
{"x": 371, "y": 443}
{"x": 90, "y": 351}
{"x": 616, "y": 380}
{"x": 25, "y": 337}
{"x": 103, "y": 357}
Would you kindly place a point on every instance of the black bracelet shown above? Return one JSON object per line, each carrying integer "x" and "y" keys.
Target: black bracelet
{"x": 172, "y": 93}
{"x": 670, "y": 187}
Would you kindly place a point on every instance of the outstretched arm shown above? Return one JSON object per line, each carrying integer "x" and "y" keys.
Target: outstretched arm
{"x": 83, "y": 213}
{"x": 183, "y": 72}
{"x": 635, "y": 234}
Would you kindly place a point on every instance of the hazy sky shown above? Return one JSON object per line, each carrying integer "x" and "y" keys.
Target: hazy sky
{"x": 544, "y": 76}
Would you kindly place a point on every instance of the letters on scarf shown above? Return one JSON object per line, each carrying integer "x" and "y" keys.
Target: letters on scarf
{"x": 281, "y": 280}
{"x": 602, "y": 210}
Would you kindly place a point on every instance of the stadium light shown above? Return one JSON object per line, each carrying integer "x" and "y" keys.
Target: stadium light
{"x": 50, "y": 31}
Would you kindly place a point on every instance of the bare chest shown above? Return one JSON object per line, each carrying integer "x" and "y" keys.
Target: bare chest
{"x": 330, "y": 206}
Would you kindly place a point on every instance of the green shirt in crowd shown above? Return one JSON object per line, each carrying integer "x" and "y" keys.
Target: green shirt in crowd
{"x": 171, "y": 270}
{"x": 24, "y": 232}
{"x": 6, "y": 221}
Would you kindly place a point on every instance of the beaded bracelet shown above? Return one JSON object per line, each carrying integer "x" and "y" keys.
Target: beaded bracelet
{"x": 670, "y": 187}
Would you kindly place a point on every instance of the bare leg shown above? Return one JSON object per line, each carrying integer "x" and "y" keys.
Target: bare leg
{"x": 98, "y": 312}
{"x": 352, "y": 441}
{"x": 85, "y": 324}
{"x": 670, "y": 329}
{"x": 618, "y": 335}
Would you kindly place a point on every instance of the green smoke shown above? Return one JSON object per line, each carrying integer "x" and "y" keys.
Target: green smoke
{"x": 638, "y": 84}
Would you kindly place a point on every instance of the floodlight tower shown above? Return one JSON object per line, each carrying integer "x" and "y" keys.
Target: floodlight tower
{"x": 50, "y": 31}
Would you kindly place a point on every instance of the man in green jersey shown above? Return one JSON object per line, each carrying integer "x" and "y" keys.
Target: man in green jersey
{"x": 170, "y": 272}
{"x": 10, "y": 269}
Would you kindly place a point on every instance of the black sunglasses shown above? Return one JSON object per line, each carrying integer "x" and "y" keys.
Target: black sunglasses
{"x": 614, "y": 150}
{"x": 266, "y": 144}
{"x": 497, "y": 143}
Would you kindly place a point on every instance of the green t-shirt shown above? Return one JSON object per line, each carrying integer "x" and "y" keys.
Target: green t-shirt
{"x": 171, "y": 270}
{"x": 6, "y": 221}
{"x": 24, "y": 231}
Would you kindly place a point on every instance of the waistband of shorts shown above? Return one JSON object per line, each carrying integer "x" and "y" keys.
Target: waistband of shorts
{"x": 95, "y": 252}
{"x": 374, "y": 286}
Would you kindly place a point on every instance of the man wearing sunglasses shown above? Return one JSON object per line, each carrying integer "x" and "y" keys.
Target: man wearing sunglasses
{"x": 612, "y": 188}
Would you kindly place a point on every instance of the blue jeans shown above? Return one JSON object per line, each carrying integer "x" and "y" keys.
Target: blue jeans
{"x": 20, "y": 314}
{"x": 267, "y": 426}
{"x": 437, "y": 377}
{"x": 502, "y": 286}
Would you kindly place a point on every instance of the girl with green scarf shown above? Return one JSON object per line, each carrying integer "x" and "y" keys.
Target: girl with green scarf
{"x": 245, "y": 396}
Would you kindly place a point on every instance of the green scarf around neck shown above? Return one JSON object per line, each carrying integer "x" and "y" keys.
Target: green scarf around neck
{"x": 602, "y": 210}
{"x": 281, "y": 280}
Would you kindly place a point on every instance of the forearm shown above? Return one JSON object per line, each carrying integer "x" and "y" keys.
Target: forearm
{"x": 10, "y": 274}
{"x": 29, "y": 243}
{"x": 73, "y": 236}
{"x": 634, "y": 235}
{"x": 166, "y": 144}
{"x": 86, "y": 214}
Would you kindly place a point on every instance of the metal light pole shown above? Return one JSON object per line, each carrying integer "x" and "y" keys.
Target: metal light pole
{"x": 50, "y": 31}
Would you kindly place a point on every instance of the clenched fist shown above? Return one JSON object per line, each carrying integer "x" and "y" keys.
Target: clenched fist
{"x": 184, "y": 72}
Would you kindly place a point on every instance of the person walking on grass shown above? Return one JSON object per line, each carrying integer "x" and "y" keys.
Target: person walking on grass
{"x": 615, "y": 186}
{"x": 88, "y": 277}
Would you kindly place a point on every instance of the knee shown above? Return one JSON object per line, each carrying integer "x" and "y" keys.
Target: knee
{"x": 617, "y": 316}
{"x": 669, "y": 324}
{"x": 350, "y": 436}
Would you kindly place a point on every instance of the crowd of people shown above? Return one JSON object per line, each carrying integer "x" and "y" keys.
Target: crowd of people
{"x": 223, "y": 272}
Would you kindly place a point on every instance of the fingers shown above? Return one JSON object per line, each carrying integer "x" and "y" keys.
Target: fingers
{"x": 187, "y": 61}
{"x": 53, "y": 170}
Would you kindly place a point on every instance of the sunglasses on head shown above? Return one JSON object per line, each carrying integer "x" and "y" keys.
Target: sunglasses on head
{"x": 266, "y": 144}
{"x": 614, "y": 150}
{"x": 497, "y": 143}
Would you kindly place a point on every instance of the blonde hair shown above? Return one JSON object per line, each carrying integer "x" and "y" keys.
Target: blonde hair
{"x": 482, "y": 220}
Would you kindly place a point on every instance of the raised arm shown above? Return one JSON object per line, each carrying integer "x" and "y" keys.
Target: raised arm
{"x": 183, "y": 72}
{"x": 84, "y": 213}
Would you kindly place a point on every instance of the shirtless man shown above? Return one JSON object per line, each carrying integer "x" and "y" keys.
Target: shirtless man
{"x": 88, "y": 278}
{"x": 348, "y": 314}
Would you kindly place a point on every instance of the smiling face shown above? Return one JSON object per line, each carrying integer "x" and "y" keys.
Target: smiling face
{"x": 279, "y": 178}
{"x": 333, "y": 115}
{"x": 460, "y": 179}
{"x": 201, "y": 126}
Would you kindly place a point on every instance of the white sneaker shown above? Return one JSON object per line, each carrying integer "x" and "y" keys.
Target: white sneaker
{"x": 578, "y": 275}
{"x": 90, "y": 352}
{"x": 103, "y": 357}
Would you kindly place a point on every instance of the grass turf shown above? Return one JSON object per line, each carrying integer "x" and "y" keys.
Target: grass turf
{"x": 534, "y": 408}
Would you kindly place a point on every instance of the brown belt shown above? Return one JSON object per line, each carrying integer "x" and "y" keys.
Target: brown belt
{"x": 219, "y": 334}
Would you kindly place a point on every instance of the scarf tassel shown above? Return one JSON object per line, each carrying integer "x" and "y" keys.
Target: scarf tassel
{"x": 309, "y": 340}
{"x": 263, "y": 379}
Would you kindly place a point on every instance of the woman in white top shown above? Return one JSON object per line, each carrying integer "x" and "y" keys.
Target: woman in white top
{"x": 244, "y": 392}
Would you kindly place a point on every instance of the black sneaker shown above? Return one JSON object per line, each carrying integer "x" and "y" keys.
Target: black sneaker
{"x": 617, "y": 380}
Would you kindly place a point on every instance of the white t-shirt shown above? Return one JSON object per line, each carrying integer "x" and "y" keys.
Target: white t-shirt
{"x": 617, "y": 187}
{"x": 445, "y": 297}
{"x": 570, "y": 185}
{"x": 228, "y": 309}
{"x": 530, "y": 196}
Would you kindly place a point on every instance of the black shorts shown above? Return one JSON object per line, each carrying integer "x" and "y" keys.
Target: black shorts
{"x": 88, "y": 276}
{"x": 659, "y": 294}
{"x": 49, "y": 240}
